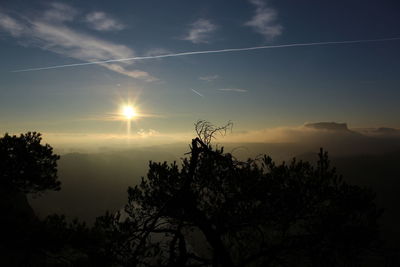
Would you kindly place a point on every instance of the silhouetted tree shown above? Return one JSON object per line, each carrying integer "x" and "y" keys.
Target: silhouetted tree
{"x": 26, "y": 167}
{"x": 211, "y": 211}
{"x": 215, "y": 210}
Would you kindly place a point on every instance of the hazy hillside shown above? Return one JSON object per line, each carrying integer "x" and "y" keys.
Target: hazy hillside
{"x": 382, "y": 174}
{"x": 94, "y": 183}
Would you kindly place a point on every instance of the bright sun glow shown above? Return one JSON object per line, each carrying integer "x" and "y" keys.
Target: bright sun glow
{"x": 129, "y": 112}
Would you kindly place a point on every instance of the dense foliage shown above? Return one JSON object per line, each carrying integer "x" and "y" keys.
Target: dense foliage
{"x": 211, "y": 211}
{"x": 214, "y": 210}
{"x": 26, "y": 165}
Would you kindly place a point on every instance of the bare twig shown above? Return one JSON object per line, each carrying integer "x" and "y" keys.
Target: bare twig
{"x": 207, "y": 131}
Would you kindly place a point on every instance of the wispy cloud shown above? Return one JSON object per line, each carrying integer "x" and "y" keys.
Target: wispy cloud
{"x": 148, "y": 133}
{"x": 11, "y": 25}
{"x": 102, "y": 22}
{"x": 236, "y": 90}
{"x": 209, "y": 78}
{"x": 200, "y": 31}
{"x": 49, "y": 32}
{"x": 157, "y": 51}
{"x": 264, "y": 20}
{"x": 138, "y": 74}
{"x": 65, "y": 41}
{"x": 59, "y": 12}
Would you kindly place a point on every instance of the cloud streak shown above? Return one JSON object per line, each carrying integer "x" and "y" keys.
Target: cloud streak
{"x": 200, "y": 31}
{"x": 49, "y": 32}
{"x": 236, "y": 90}
{"x": 209, "y": 78}
{"x": 197, "y": 93}
{"x": 264, "y": 20}
{"x": 219, "y": 51}
{"x": 59, "y": 12}
{"x": 11, "y": 25}
{"x": 100, "y": 21}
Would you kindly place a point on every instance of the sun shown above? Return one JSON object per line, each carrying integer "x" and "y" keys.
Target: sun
{"x": 129, "y": 112}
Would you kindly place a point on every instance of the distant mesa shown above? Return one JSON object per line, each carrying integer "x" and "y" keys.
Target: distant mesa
{"x": 331, "y": 126}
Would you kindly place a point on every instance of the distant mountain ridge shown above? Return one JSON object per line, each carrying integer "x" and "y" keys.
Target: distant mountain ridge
{"x": 331, "y": 126}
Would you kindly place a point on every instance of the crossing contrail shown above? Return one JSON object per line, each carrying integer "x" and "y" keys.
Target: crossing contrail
{"x": 228, "y": 50}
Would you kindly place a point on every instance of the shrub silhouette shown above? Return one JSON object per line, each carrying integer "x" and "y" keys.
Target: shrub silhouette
{"x": 214, "y": 210}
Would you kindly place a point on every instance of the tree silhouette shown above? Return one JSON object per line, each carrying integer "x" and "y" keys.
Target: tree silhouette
{"x": 26, "y": 167}
{"x": 215, "y": 210}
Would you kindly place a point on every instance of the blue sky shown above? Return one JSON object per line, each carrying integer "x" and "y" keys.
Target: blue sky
{"x": 353, "y": 83}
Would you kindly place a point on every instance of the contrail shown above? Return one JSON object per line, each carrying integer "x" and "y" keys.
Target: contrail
{"x": 189, "y": 53}
{"x": 194, "y": 91}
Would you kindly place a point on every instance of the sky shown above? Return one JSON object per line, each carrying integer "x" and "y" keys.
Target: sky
{"x": 357, "y": 83}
